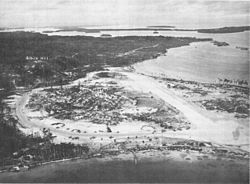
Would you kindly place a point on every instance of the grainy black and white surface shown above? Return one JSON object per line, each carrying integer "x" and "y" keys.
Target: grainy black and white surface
{"x": 124, "y": 91}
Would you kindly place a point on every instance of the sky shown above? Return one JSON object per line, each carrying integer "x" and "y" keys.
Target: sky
{"x": 132, "y": 13}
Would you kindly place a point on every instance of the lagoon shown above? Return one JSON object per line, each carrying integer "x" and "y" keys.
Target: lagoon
{"x": 202, "y": 61}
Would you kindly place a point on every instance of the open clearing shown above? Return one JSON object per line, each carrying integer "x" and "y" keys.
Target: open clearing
{"x": 201, "y": 126}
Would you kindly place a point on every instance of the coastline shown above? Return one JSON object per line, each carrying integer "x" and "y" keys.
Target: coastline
{"x": 195, "y": 160}
{"x": 122, "y": 169}
{"x": 185, "y": 63}
{"x": 109, "y": 91}
{"x": 203, "y": 129}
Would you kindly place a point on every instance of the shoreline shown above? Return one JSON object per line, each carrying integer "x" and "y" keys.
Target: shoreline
{"x": 183, "y": 63}
{"x": 204, "y": 129}
{"x": 171, "y": 134}
{"x": 164, "y": 169}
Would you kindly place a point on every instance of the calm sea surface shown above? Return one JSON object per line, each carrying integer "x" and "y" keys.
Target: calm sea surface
{"x": 201, "y": 61}
{"x": 146, "y": 170}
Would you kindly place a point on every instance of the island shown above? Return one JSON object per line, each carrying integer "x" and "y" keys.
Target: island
{"x": 79, "y": 99}
{"x": 225, "y": 29}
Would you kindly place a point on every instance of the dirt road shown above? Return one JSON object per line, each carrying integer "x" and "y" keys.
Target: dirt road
{"x": 202, "y": 127}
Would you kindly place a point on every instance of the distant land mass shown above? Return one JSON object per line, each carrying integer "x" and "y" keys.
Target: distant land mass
{"x": 161, "y": 26}
{"x": 225, "y": 30}
{"x": 155, "y": 28}
{"x": 85, "y": 30}
{"x": 77, "y": 29}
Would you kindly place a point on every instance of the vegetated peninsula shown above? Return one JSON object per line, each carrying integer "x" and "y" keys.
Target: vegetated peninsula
{"x": 161, "y": 26}
{"x": 77, "y": 29}
{"x": 77, "y": 55}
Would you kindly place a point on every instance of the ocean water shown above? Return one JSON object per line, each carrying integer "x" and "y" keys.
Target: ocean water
{"x": 201, "y": 61}
{"x": 234, "y": 39}
{"x": 146, "y": 171}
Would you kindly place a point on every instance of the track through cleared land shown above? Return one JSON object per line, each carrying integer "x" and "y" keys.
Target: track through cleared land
{"x": 202, "y": 128}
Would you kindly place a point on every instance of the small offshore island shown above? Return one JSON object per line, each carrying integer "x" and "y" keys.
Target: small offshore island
{"x": 82, "y": 100}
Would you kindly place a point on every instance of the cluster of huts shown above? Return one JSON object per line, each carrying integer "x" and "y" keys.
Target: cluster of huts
{"x": 100, "y": 104}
